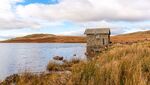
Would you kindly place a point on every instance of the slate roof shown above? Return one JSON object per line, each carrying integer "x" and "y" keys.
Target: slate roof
{"x": 98, "y": 31}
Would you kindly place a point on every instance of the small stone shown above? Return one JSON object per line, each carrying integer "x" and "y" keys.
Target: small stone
{"x": 58, "y": 58}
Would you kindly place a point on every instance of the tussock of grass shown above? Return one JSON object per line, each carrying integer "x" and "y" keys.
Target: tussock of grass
{"x": 66, "y": 65}
{"x": 71, "y": 62}
{"x": 53, "y": 66}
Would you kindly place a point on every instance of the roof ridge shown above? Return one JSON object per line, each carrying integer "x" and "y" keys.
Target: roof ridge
{"x": 97, "y": 31}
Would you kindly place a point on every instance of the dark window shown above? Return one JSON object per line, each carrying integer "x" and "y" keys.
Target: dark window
{"x": 103, "y": 41}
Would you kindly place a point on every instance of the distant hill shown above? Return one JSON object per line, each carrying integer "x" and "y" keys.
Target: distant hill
{"x": 132, "y": 37}
{"x": 38, "y": 36}
{"x": 50, "y": 38}
{"x": 46, "y": 38}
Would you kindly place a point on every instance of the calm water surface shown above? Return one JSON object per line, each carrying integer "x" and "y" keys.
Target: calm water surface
{"x": 19, "y": 57}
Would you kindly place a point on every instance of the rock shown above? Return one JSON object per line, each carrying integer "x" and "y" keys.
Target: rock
{"x": 58, "y": 58}
{"x": 86, "y": 54}
{"x": 74, "y": 55}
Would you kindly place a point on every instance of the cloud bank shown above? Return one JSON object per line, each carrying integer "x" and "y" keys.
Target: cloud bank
{"x": 101, "y": 13}
{"x": 89, "y": 10}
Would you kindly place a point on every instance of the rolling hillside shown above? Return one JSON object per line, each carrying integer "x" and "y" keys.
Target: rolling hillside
{"x": 132, "y": 37}
{"x": 50, "y": 38}
{"x": 46, "y": 38}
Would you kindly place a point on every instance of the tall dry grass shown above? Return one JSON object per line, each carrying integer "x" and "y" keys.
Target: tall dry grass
{"x": 122, "y": 65}
{"x": 37, "y": 79}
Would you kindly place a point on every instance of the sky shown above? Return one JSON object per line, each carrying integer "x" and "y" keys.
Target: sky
{"x": 72, "y": 17}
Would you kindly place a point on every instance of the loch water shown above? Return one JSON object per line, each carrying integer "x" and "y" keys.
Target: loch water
{"x": 33, "y": 57}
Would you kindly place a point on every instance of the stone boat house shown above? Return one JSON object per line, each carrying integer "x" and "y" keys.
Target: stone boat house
{"x": 97, "y": 39}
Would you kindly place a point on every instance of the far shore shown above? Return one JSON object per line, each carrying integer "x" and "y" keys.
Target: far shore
{"x": 50, "y": 38}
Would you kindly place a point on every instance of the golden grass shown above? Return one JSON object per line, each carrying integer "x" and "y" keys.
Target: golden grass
{"x": 40, "y": 79}
{"x": 120, "y": 65}
{"x": 66, "y": 65}
{"x": 54, "y": 66}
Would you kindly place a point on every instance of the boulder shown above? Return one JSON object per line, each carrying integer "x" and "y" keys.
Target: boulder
{"x": 58, "y": 58}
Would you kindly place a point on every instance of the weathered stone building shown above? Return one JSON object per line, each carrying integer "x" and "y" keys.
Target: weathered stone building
{"x": 97, "y": 39}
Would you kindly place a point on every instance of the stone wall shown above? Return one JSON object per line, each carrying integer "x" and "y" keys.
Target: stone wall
{"x": 96, "y": 43}
{"x": 97, "y": 40}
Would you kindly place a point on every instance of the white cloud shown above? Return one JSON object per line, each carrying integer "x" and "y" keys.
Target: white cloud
{"x": 115, "y": 27}
{"x": 87, "y": 13}
{"x": 99, "y": 13}
{"x": 16, "y": 24}
{"x": 75, "y": 32}
{"x": 10, "y": 20}
{"x": 89, "y": 10}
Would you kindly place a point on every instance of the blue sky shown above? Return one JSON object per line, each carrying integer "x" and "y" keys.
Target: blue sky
{"x": 72, "y": 17}
{"x": 27, "y": 2}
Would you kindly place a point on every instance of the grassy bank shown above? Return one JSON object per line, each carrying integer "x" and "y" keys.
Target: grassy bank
{"x": 119, "y": 65}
